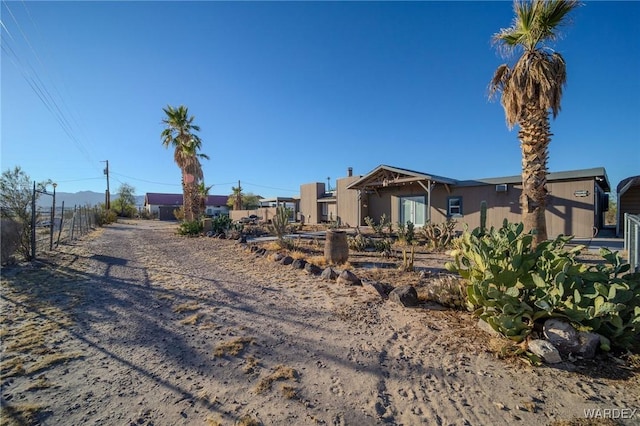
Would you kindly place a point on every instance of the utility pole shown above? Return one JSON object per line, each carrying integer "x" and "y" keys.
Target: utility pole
{"x": 107, "y": 195}
{"x": 239, "y": 197}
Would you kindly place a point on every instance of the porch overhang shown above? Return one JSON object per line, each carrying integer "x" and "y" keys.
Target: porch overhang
{"x": 389, "y": 177}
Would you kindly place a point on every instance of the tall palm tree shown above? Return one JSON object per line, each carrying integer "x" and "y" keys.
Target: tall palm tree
{"x": 531, "y": 89}
{"x": 180, "y": 133}
{"x": 235, "y": 199}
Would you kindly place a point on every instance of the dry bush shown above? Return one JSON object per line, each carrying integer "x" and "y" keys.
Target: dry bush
{"x": 281, "y": 372}
{"x": 191, "y": 319}
{"x": 20, "y": 414}
{"x": 296, "y": 254}
{"x": 289, "y": 392}
{"x": 186, "y": 307}
{"x": 250, "y": 365}
{"x": 318, "y": 260}
{"x": 10, "y": 238}
{"x": 247, "y": 420}
{"x": 233, "y": 347}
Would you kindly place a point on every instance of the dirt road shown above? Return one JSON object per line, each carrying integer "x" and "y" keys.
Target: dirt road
{"x": 135, "y": 325}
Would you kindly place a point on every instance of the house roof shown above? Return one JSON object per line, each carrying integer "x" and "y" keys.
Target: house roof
{"x": 158, "y": 199}
{"x": 384, "y": 175}
{"x": 598, "y": 173}
{"x": 627, "y": 183}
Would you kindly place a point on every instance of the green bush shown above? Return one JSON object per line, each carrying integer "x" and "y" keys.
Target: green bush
{"x": 190, "y": 228}
{"x": 105, "y": 217}
{"x": 221, "y": 224}
{"x": 511, "y": 284}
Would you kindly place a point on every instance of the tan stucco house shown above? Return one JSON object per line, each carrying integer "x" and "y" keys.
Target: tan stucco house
{"x": 577, "y": 199}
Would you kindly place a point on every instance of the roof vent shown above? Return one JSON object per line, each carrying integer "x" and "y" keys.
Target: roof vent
{"x": 501, "y": 188}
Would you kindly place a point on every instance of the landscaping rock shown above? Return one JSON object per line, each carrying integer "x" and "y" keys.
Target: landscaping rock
{"x": 589, "y": 343}
{"x": 312, "y": 269}
{"x": 405, "y": 295}
{"x": 561, "y": 335}
{"x": 253, "y": 249}
{"x": 329, "y": 274}
{"x": 242, "y": 239}
{"x": 298, "y": 263}
{"x": 277, "y": 257}
{"x": 261, "y": 252}
{"x": 348, "y": 278}
{"x": 287, "y": 260}
{"x": 380, "y": 289}
{"x": 545, "y": 350}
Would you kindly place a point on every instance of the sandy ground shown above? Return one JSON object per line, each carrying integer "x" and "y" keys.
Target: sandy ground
{"x": 133, "y": 325}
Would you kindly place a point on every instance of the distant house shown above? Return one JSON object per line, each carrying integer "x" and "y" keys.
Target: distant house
{"x": 628, "y": 200}
{"x": 162, "y": 206}
{"x": 576, "y": 203}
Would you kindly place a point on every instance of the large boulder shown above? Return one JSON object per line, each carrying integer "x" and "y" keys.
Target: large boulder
{"x": 589, "y": 343}
{"x": 287, "y": 260}
{"x": 405, "y": 295}
{"x": 312, "y": 269}
{"x": 348, "y": 278}
{"x": 377, "y": 288}
{"x": 298, "y": 264}
{"x": 329, "y": 274}
{"x": 545, "y": 350}
{"x": 561, "y": 335}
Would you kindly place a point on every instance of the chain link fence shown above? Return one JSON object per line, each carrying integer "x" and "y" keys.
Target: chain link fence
{"x": 63, "y": 226}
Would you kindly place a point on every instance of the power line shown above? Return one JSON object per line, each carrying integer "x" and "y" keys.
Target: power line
{"x": 36, "y": 83}
{"x": 270, "y": 187}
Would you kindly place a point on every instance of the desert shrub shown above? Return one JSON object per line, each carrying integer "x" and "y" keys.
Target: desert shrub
{"x": 447, "y": 290}
{"x": 220, "y": 224}
{"x": 179, "y": 213}
{"x": 358, "y": 242}
{"x": 382, "y": 245}
{"x": 190, "y": 228}
{"x": 406, "y": 234}
{"x": 511, "y": 284}
{"x": 378, "y": 228}
{"x": 280, "y": 222}
{"x": 439, "y": 236}
{"x": 104, "y": 216}
{"x": 144, "y": 214}
{"x": 10, "y": 239}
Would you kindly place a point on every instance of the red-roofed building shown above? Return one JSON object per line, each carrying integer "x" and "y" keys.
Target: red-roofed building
{"x": 162, "y": 206}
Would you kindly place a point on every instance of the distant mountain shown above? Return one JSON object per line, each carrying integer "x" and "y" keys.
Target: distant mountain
{"x": 82, "y": 198}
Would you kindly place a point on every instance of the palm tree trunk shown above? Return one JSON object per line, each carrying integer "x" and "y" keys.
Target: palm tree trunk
{"x": 187, "y": 199}
{"x": 534, "y": 138}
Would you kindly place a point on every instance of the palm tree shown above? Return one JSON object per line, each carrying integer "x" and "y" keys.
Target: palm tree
{"x": 235, "y": 199}
{"x": 203, "y": 193}
{"x": 532, "y": 88}
{"x": 179, "y": 133}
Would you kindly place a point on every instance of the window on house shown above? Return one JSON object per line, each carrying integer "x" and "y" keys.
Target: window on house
{"x": 454, "y": 206}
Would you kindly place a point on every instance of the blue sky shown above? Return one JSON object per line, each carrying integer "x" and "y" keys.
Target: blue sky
{"x": 288, "y": 93}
